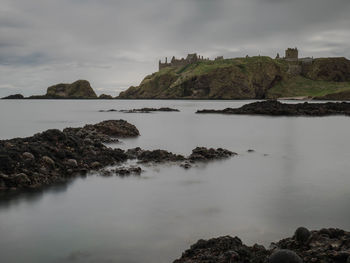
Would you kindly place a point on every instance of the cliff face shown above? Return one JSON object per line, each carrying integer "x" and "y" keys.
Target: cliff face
{"x": 80, "y": 89}
{"x": 243, "y": 78}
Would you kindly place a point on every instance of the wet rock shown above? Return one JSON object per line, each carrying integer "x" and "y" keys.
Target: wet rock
{"x": 186, "y": 165}
{"x": 116, "y": 128}
{"x": 95, "y": 165}
{"x": 72, "y": 163}
{"x": 223, "y": 250}
{"x": 125, "y": 171}
{"x": 28, "y": 156}
{"x": 205, "y": 154}
{"x": 302, "y": 235}
{"x": 156, "y": 156}
{"x": 276, "y": 108}
{"x": 323, "y": 246}
{"x": 250, "y": 151}
{"x": 47, "y": 160}
{"x": 284, "y": 256}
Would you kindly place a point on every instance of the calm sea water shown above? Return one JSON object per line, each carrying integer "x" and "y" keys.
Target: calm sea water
{"x": 298, "y": 175}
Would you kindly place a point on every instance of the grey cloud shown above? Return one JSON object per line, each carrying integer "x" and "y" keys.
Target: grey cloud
{"x": 115, "y": 43}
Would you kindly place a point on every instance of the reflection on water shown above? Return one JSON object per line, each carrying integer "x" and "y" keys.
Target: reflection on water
{"x": 297, "y": 175}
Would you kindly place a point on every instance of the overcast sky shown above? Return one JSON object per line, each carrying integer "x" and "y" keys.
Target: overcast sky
{"x": 114, "y": 44}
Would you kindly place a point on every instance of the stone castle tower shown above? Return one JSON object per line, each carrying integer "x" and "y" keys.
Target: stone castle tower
{"x": 292, "y": 54}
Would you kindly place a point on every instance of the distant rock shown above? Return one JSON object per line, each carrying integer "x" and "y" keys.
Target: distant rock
{"x": 80, "y": 89}
{"x": 105, "y": 97}
{"x": 14, "y": 97}
{"x": 276, "y": 108}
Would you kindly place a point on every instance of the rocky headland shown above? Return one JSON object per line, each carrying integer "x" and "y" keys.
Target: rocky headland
{"x": 323, "y": 246}
{"x": 55, "y": 156}
{"x": 256, "y": 77}
{"x": 276, "y": 108}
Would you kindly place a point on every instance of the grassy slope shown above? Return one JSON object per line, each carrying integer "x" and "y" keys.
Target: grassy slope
{"x": 300, "y": 86}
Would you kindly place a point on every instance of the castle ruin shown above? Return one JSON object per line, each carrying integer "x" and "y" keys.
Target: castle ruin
{"x": 191, "y": 58}
{"x": 295, "y": 64}
{"x": 291, "y": 54}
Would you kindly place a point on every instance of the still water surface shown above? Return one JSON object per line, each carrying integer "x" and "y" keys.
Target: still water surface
{"x": 298, "y": 175}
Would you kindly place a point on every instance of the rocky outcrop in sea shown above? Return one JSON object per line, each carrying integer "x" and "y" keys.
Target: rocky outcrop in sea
{"x": 276, "y": 108}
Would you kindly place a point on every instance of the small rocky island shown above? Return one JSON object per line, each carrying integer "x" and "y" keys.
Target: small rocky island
{"x": 80, "y": 89}
{"x": 323, "y": 246}
{"x": 276, "y": 108}
{"x": 55, "y": 156}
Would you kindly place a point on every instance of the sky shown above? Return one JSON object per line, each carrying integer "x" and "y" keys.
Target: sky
{"x": 115, "y": 44}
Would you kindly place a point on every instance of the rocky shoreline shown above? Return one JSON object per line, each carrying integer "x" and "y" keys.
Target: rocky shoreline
{"x": 55, "y": 156}
{"x": 323, "y": 246}
{"x": 276, "y": 108}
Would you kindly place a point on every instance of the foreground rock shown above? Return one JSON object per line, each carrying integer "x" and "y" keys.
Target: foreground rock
{"x": 143, "y": 110}
{"x": 323, "y": 246}
{"x": 276, "y": 108}
{"x": 53, "y": 156}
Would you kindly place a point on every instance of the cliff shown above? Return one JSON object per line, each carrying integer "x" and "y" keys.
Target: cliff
{"x": 80, "y": 89}
{"x": 244, "y": 78}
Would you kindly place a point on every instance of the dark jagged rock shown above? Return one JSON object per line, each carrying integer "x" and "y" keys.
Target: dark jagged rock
{"x": 199, "y": 154}
{"x": 323, "y": 246}
{"x": 53, "y": 156}
{"x": 157, "y": 156}
{"x": 14, "y": 97}
{"x": 223, "y": 250}
{"x": 144, "y": 110}
{"x": 276, "y": 108}
{"x": 113, "y": 128}
{"x": 205, "y": 154}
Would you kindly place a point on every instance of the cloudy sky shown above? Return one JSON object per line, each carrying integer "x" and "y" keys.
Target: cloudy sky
{"x": 115, "y": 43}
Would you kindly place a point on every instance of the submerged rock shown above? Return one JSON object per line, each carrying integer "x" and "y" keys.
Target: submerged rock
{"x": 143, "y": 110}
